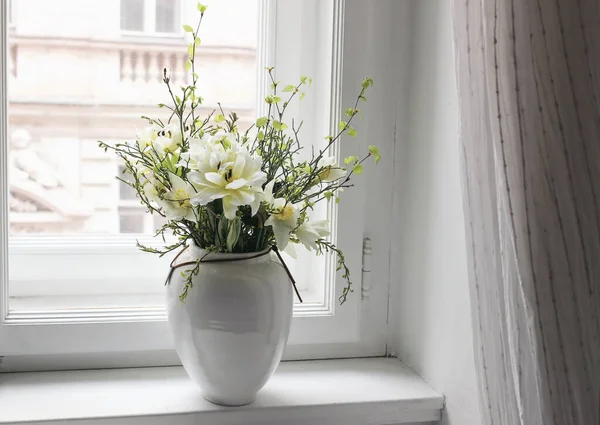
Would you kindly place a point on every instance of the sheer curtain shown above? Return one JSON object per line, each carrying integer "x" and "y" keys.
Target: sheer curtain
{"x": 529, "y": 90}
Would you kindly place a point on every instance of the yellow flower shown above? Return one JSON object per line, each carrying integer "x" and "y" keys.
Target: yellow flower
{"x": 176, "y": 202}
{"x": 330, "y": 171}
{"x": 284, "y": 216}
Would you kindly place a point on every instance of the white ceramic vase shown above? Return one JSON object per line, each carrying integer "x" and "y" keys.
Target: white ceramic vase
{"x": 231, "y": 329}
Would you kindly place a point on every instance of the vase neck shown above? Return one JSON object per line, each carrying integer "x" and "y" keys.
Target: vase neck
{"x": 201, "y": 254}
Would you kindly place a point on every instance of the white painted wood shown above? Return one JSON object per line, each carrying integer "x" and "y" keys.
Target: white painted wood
{"x": 345, "y": 392}
{"x": 3, "y": 167}
{"x": 430, "y": 315}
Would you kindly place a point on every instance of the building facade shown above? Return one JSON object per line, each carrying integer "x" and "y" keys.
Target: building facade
{"x": 87, "y": 70}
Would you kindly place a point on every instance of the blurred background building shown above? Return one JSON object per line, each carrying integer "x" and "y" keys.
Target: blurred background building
{"x": 86, "y": 70}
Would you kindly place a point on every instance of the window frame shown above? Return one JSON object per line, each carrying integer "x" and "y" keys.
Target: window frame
{"x": 319, "y": 330}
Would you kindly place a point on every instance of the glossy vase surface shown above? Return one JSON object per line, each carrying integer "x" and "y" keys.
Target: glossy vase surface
{"x": 231, "y": 329}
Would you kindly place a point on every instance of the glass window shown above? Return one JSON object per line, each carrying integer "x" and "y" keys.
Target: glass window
{"x": 132, "y": 15}
{"x": 68, "y": 216}
{"x": 62, "y": 185}
{"x": 166, "y": 16}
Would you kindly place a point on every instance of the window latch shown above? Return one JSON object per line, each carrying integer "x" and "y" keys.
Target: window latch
{"x": 366, "y": 269}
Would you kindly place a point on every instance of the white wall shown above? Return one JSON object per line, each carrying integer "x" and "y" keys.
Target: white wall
{"x": 430, "y": 309}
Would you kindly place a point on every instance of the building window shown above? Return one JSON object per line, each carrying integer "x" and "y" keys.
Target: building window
{"x": 150, "y": 16}
{"x": 132, "y": 15}
{"x": 133, "y": 217}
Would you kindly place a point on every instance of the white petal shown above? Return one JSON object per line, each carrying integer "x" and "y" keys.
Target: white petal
{"x": 281, "y": 232}
{"x": 216, "y": 179}
{"x": 236, "y": 184}
{"x": 282, "y": 236}
{"x": 229, "y": 208}
{"x": 290, "y": 250}
{"x": 268, "y": 193}
{"x": 240, "y": 161}
{"x": 255, "y": 205}
{"x": 177, "y": 182}
{"x": 307, "y": 235}
{"x": 258, "y": 179}
{"x": 246, "y": 196}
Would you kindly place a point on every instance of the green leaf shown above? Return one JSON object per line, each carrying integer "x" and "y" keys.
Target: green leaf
{"x": 337, "y": 201}
{"x": 363, "y": 98}
{"x": 302, "y": 95}
{"x": 197, "y": 41}
{"x": 233, "y": 233}
{"x": 342, "y": 125}
{"x": 191, "y": 49}
{"x": 289, "y": 88}
{"x": 351, "y": 111}
{"x": 276, "y": 99}
{"x": 352, "y": 132}
{"x": 358, "y": 169}
{"x": 269, "y": 99}
{"x": 303, "y": 79}
{"x": 201, "y": 7}
{"x": 188, "y": 65}
{"x": 279, "y": 125}
{"x": 328, "y": 195}
{"x": 375, "y": 152}
{"x": 187, "y": 28}
{"x": 350, "y": 159}
{"x": 219, "y": 118}
{"x": 260, "y": 136}
{"x": 367, "y": 82}
{"x": 262, "y": 121}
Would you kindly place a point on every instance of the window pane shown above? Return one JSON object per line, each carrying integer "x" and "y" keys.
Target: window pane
{"x": 73, "y": 84}
{"x": 96, "y": 87}
{"x": 131, "y": 223}
{"x": 126, "y": 192}
{"x": 166, "y": 15}
{"x": 132, "y": 15}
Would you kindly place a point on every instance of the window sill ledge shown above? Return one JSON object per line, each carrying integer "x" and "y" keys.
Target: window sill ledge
{"x": 352, "y": 391}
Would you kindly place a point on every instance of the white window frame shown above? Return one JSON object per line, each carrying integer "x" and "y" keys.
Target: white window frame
{"x": 149, "y": 23}
{"x": 139, "y": 336}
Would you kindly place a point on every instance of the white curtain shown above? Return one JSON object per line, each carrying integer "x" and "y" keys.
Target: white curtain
{"x": 529, "y": 89}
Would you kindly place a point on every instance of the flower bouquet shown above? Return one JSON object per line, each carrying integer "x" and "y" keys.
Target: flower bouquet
{"x": 232, "y": 196}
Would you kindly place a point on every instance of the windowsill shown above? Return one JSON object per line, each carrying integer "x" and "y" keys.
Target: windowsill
{"x": 353, "y": 391}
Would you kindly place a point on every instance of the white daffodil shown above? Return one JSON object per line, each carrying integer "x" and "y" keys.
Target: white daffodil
{"x": 169, "y": 140}
{"x": 330, "y": 170}
{"x": 153, "y": 189}
{"x": 311, "y": 231}
{"x": 284, "y": 216}
{"x": 177, "y": 201}
{"x": 223, "y": 169}
{"x": 146, "y": 136}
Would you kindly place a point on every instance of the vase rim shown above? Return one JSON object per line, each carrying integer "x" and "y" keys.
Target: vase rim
{"x": 197, "y": 253}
